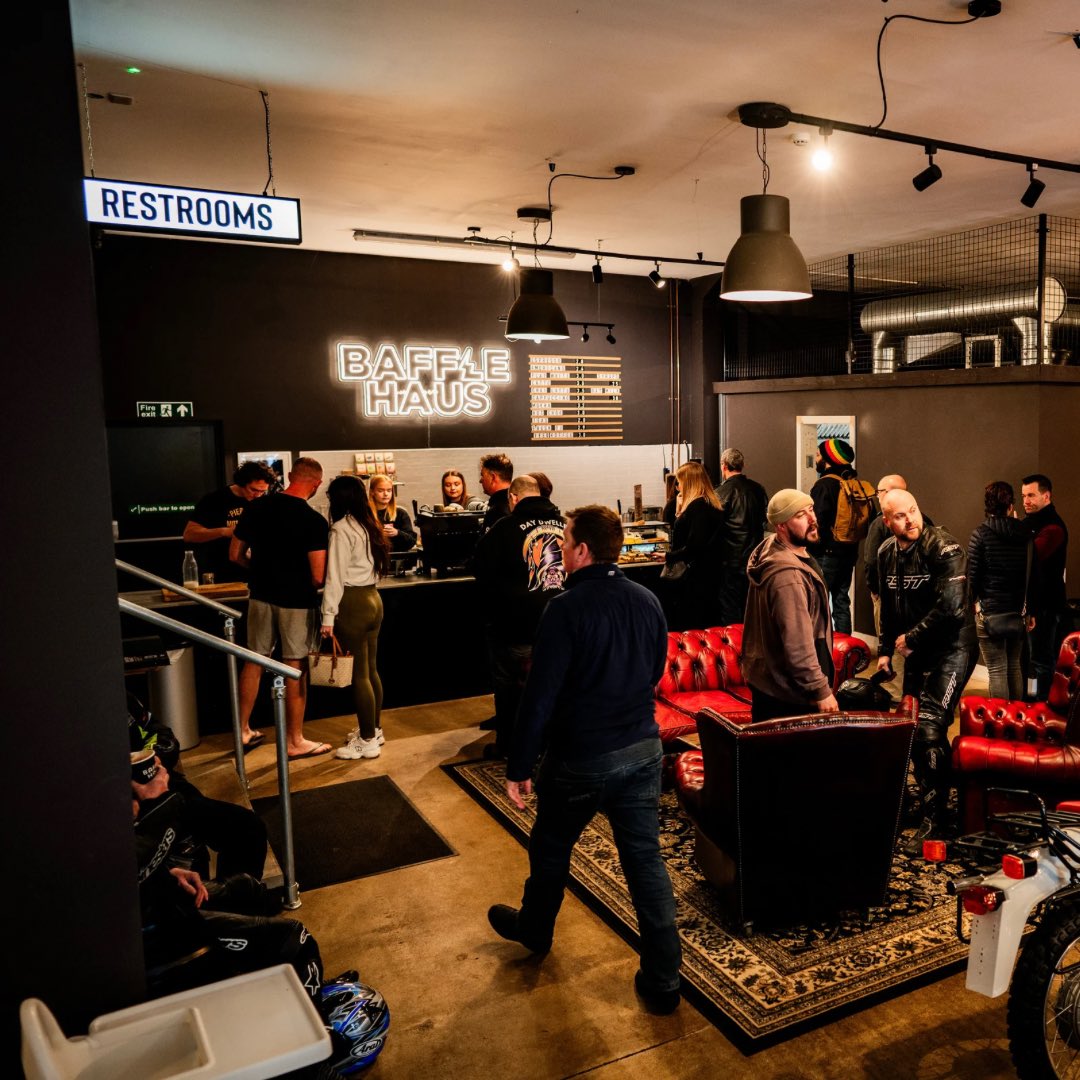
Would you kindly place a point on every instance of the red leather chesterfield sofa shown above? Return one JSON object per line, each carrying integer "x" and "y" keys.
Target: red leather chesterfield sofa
{"x": 1030, "y": 745}
{"x": 702, "y": 671}
{"x": 797, "y": 818}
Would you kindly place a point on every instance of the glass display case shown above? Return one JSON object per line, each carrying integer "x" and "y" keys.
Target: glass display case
{"x": 645, "y": 541}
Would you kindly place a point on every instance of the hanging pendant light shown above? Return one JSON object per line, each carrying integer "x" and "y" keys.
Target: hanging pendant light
{"x": 536, "y": 315}
{"x": 765, "y": 264}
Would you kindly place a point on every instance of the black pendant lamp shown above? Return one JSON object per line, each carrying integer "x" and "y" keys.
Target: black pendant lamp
{"x": 765, "y": 265}
{"x": 536, "y": 315}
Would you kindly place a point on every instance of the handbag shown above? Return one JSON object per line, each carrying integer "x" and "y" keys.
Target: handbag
{"x": 1005, "y": 624}
{"x": 330, "y": 669}
{"x": 674, "y": 571}
{"x": 1010, "y": 624}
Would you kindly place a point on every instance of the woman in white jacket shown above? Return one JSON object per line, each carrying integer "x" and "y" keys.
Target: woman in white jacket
{"x": 358, "y": 556}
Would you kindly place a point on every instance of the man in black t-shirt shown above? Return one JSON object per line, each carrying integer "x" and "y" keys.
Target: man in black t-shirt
{"x": 282, "y": 542}
{"x": 215, "y": 516}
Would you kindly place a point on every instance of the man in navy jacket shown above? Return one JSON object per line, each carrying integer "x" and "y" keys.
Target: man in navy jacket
{"x": 588, "y": 707}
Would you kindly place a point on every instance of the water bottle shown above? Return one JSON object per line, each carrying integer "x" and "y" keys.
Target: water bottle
{"x": 191, "y": 570}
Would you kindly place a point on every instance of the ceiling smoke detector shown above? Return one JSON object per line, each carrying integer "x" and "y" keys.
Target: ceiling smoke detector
{"x": 801, "y": 138}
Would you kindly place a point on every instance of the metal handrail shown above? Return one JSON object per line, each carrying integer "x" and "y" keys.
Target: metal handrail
{"x": 231, "y": 615}
{"x": 165, "y": 583}
{"x": 281, "y": 672}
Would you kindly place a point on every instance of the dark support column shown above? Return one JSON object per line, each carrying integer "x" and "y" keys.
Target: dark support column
{"x": 71, "y": 910}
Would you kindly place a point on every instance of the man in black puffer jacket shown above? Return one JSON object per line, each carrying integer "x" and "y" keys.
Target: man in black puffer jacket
{"x": 927, "y": 618}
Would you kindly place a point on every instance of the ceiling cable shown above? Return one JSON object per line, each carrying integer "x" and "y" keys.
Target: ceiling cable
{"x": 915, "y": 18}
{"x": 86, "y": 109}
{"x": 269, "y": 186}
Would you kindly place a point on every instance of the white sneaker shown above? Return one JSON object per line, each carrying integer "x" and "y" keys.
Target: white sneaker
{"x": 358, "y": 748}
{"x": 379, "y": 737}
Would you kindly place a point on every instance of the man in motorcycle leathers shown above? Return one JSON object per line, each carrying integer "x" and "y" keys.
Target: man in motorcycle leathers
{"x": 927, "y": 618}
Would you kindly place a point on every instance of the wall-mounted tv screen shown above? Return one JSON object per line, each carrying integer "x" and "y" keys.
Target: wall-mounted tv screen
{"x": 159, "y": 470}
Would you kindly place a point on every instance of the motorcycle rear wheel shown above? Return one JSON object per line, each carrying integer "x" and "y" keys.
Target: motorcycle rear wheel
{"x": 1044, "y": 1000}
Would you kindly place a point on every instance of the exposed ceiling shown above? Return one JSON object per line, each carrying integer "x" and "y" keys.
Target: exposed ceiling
{"x": 429, "y": 117}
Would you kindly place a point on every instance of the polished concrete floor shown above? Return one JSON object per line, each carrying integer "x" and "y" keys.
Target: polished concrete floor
{"x": 464, "y": 1003}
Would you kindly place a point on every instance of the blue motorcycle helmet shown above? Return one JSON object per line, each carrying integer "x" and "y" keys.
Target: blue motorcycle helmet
{"x": 358, "y": 1019}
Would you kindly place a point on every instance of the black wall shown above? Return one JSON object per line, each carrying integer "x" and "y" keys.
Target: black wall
{"x": 70, "y": 904}
{"x": 248, "y": 333}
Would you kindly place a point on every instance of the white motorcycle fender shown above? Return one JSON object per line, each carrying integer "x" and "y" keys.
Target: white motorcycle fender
{"x": 995, "y": 938}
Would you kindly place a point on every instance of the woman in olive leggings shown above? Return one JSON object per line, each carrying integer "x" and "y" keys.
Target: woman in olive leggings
{"x": 359, "y": 555}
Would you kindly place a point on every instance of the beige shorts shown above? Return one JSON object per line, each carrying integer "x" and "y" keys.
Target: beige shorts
{"x": 268, "y": 624}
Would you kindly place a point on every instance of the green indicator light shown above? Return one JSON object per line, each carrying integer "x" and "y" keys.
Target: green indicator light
{"x": 133, "y": 70}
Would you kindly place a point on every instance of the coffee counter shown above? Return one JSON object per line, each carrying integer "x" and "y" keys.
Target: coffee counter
{"x": 431, "y": 646}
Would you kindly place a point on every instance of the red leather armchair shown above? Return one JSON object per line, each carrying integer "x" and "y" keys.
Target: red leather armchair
{"x": 1034, "y": 746}
{"x": 797, "y": 818}
{"x": 702, "y": 671}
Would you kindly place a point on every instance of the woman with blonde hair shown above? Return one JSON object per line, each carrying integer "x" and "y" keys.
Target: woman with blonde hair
{"x": 694, "y": 596}
{"x": 395, "y": 521}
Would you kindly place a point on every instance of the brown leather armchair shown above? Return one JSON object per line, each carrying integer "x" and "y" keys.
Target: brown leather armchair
{"x": 797, "y": 818}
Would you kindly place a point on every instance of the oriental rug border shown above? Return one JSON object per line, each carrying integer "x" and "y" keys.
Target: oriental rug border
{"x": 770, "y": 986}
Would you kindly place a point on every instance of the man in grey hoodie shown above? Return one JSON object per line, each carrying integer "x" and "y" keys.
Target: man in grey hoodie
{"x": 787, "y": 631}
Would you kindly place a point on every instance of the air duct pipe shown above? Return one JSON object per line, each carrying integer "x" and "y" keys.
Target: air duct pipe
{"x": 958, "y": 311}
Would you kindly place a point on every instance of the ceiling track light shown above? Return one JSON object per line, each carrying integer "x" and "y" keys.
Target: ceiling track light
{"x": 931, "y": 174}
{"x": 1034, "y": 189}
{"x": 597, "y": 270}
{"x": 822, "y": 158}
{"x": 510, "y": 263}
{"x": 610, "y": 327}
{"x": 656, "y": 278}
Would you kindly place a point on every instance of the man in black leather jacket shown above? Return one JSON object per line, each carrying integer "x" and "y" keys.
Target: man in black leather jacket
{"x": 743, "y": 502}
{"x": 926, "y": 616}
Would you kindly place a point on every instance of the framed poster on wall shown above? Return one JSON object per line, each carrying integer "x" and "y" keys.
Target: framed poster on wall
{"x": 279, "y": 462}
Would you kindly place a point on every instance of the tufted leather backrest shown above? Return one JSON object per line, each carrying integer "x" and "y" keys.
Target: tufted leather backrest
{"x": 1055, "y": 722}
{"x": 700, "y": 660}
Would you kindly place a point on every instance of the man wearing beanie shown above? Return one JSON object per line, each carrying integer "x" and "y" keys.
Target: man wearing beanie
{"x": 787, "y": 633}
{"x": 834, "y": 461}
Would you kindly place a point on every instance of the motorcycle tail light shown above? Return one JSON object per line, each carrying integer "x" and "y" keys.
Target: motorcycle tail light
{"x": 1019, "y": 866}
{"x": 933, "y": 850}
{"x": 981, "y": 899}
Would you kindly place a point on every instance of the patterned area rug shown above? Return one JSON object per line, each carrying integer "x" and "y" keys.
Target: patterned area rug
{"x": 773, "y": 985}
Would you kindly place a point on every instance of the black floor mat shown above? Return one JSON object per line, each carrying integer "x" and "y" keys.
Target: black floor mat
{"x": 351, "y": 830}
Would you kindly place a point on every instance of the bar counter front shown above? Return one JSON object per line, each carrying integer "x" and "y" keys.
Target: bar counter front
{"x": 431, "y": 646}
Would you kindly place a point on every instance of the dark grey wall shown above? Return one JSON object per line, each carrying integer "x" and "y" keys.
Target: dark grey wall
{"x": 65, "y": 798}
{"x": 248, "y": 334}
{"x": 949, "y": 434}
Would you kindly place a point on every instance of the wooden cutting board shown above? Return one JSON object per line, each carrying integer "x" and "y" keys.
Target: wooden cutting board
{"x": 214, "y": 592}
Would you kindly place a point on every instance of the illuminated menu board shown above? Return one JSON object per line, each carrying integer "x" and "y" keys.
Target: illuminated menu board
{"x": 576, "y": 397}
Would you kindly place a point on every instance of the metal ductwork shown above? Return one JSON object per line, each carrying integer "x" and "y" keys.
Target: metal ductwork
{"x": 925, "y": 323}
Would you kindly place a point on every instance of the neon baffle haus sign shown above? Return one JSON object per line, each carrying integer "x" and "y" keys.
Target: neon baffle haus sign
{"x": 439, "y": 381}
{"x": 118, "y": 204}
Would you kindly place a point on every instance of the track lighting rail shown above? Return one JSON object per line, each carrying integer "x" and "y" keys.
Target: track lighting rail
{"x": 537, "y": 249}
{"x": 767, "y": 114}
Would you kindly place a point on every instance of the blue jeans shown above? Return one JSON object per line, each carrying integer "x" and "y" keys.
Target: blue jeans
{"x": 837, "y": 571}
{"x": 625, "y": 784}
